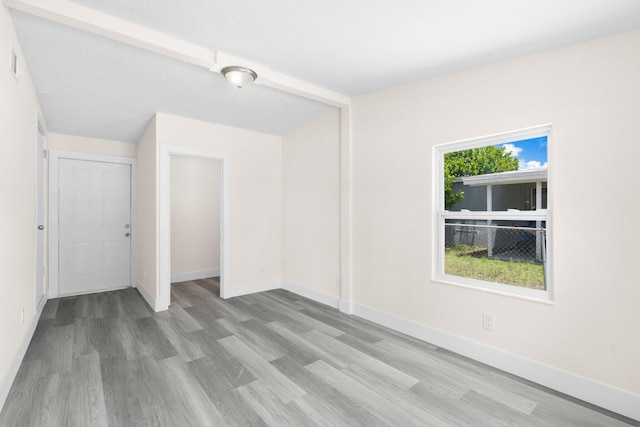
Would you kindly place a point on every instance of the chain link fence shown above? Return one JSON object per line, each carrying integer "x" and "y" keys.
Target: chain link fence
{"x": 467, "y": 243}
{"x": 507, "y": 242}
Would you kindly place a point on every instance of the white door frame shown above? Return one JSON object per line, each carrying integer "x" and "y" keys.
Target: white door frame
{"x": 164, "y": 263}
{"x": 40, "y": 207}
{"x": 54, "y": 164}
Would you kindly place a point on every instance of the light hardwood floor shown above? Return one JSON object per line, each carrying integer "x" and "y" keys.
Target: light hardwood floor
{"x": 266, "y": 359}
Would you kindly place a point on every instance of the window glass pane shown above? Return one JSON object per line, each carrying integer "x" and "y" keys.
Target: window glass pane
{"x": 496, "y": 177}
{"x": 508, "y": 252}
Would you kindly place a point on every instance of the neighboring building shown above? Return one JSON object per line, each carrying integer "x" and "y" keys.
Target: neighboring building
{"x": 508, "y": 190}
{"x": 503, "y": 191}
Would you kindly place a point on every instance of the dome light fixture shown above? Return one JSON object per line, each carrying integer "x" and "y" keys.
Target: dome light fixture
{"x": 239, "y": 76}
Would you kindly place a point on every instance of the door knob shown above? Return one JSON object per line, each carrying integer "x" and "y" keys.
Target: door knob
{"x": 41, "y": 227}
{"x": 127, "y": 234}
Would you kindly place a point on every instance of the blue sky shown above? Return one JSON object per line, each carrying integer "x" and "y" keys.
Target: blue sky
{"x": 532, "y": 153}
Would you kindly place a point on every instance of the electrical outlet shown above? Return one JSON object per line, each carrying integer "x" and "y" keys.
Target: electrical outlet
{"x": 487, "y": 321}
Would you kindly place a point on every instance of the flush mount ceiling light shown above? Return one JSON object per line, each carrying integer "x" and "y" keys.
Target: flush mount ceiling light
{"x": 239, "y": 76}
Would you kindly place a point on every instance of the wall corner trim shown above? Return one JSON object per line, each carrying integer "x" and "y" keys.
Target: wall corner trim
{"x": 604, "y": 396}
{"x": 5, "y": 387}
{"x": 346, "y": 307}
{"x": 153, "y": 303}
{"x": 321, "y": 297}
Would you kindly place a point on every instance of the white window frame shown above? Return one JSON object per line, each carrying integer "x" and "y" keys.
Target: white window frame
{"x": 441, "y": 215}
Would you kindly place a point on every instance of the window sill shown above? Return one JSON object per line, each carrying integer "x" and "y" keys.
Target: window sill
{"x": 542, "y": 297}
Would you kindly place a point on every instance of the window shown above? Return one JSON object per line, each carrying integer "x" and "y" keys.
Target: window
{"x": 492, "y": 219}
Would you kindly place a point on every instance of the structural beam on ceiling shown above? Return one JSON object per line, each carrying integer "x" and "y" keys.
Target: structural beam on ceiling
{"x": 86, "y": 19}
{"x": 268, "y": 77}
{"x": 304, "y": 89}
{"x": 83, "y": 18}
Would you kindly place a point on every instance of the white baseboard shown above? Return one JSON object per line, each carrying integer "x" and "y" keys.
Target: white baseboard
{"x": 5, "y": 387}
{"x": 345, "y": 306}
{"x": 153, "y": 303}
{"x": 607, "y": 397}
{"x": 251, "y": 288}
{"x": 321, "y": 297}
{"x": 194, "y": 275}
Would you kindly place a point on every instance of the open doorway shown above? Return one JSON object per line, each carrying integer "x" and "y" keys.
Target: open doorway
{"x": 195, "y": 221}
{"x": 167, "y": 152}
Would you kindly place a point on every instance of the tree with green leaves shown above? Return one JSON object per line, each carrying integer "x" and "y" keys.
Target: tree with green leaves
{"x": 472, "y": 162}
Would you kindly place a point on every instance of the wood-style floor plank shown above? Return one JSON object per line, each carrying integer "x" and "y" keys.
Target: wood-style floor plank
{"x": 387, "y": 374}
{"x": 66, "y": 313}
{"x": 267, "y": 359}
{"x": 53, "y": 346}
{"x": 50, "y": 309}
{"x": 368, "y": 398}
{"x": 285, "y": 389}
{"x": 259, "y": 343}
{"x": 308, "y": 345}
{"x": 222, "y": 387}
{"x": 86, "y": 405}
{"x": 193, "y": 406}
{"x": 270, "y": 407}
{"x": 328, "y": 401}
{"x": 136, "y": 393}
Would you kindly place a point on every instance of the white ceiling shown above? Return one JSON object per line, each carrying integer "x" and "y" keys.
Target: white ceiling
{"x": 92, "y": 86}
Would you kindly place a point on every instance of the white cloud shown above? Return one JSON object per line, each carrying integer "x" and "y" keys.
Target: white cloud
{"x": 522, "y": 163}
{"x": 532, "y": 164}
{"x": 510, "y": 148}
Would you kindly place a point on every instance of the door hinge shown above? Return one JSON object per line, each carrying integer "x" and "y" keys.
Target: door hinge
{"x": 44, "y": 154}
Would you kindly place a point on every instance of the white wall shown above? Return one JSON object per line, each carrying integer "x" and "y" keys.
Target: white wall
{"x": 195, "y": 216}
{"x": 255, "y": 192}
{"x": 80, "y": 144}
{"x": 311, "y": 205}
{"x": 18, "y": 111}
{"x": 148, "y": 205}
{"x": 590, "y": 93}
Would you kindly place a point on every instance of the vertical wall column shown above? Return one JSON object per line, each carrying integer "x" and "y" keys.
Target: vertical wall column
{"x": 346, "y": 290}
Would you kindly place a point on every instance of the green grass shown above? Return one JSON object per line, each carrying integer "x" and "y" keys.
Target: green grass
{"x": 472, "y": 262}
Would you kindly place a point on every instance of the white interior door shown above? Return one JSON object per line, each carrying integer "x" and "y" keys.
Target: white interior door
{"x": 40, "y": 221}
{"x": 94, "y": 217}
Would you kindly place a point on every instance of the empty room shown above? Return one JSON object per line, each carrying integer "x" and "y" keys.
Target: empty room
{"x": 407, "y": 213}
